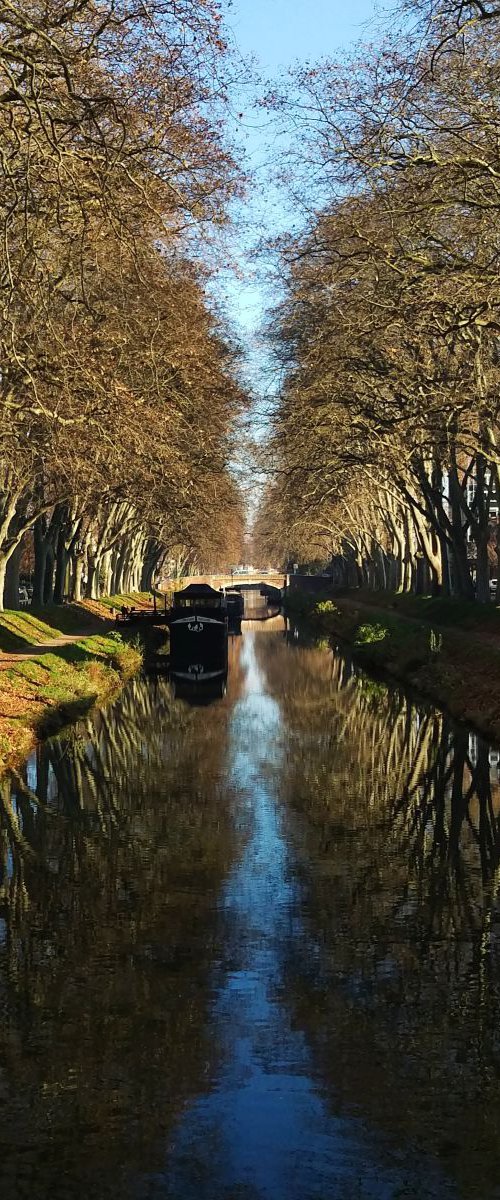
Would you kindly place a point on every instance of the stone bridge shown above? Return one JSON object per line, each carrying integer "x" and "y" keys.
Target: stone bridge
{"x": 257, "y": 580}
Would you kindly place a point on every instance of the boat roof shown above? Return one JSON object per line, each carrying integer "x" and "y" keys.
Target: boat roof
{"x": 198, "y": 589}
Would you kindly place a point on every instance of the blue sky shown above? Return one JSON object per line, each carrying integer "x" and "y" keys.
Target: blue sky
{"x": 276, "y": 34}
{"x": 280, "y": 32}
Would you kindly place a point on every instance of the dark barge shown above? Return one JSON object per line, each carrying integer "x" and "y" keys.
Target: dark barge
{"x": 198, "y": 643}
{"x": 198, "y": 623}
{"x": 235, "y": 609}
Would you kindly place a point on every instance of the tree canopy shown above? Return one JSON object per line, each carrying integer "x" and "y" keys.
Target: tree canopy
{"x": 385, "y": 430}
{"x": 120, "y": 393}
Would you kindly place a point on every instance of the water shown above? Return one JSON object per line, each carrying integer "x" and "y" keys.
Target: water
{"x": 251, "y": 950}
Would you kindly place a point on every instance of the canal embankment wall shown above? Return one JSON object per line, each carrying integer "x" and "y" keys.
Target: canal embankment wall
{"x": 448, "y": 650}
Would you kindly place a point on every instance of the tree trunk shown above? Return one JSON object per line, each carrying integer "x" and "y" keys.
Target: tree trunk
{"x": 117, "y": 586}
{"x": 77, "y": 577}
{"x": 150, "y": 565}
{"x": 62, "y": 558}
{"x": 482, "y": 571}
{"x": 11, "y": 581}
{"x": 5, "y": 558}
{"x": 40, "y": 549}
{"x": 399, "y": 561}
{"x": 48, "y": 581}
{"x": 106, "y": 573}
{"x": 382, "y": 569}
{"x": 92, "y": 588}
{"x": 3, "y": 570}
{"x": 461, "y": 582}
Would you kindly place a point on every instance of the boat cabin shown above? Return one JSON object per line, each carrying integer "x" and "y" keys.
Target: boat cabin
{"x": 199, "y": 596}
{"x": 235, "y": 603}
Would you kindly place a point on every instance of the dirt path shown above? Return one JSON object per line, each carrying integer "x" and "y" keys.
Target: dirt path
{"x": 9, "y": 658}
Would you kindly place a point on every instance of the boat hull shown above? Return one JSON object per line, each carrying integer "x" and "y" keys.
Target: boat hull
{"x": 195, "y": 637}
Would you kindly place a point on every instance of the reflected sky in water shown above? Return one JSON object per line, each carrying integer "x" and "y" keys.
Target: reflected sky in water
{"x": 251, "y": 949}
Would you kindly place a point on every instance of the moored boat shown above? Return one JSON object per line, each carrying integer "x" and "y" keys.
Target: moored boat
{"x": 198, "y": 624}
{"x": 235, "y": 610}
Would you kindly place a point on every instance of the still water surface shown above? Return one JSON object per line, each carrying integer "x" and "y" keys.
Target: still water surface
{"x": 251, "y": 949}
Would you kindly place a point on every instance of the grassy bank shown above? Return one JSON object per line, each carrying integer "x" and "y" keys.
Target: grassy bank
{"x": 449, "y": 650}
{"x": 44, "y": 686}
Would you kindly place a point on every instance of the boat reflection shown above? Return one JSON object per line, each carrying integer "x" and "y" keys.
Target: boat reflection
{"x": 200, "y": 680}
{"x": 198, "y": 683}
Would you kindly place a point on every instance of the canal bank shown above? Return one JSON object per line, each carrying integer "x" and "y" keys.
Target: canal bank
{"x": 449, "y": 651}
{"x": 56, "y": 663}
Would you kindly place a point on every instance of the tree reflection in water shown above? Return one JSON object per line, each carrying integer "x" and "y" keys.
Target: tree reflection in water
{"x": 113, "y": 844}
{"x": 119, "y": 897}
{"x": 393, "y": 812}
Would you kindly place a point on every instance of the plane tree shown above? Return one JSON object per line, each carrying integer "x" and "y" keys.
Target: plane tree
{"x": 388, "y": 330}
{"x": 114, "y": 151}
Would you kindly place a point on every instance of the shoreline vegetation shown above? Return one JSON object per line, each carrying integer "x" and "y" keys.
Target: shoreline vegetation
{"x": 59, "y": 662}
{"x": 449, "y": 650}
{"x": 56, "y": 664}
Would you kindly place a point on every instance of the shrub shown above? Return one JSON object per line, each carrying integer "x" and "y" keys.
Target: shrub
{"x": 325, "y": 606}
{"x": 367, "y": 634}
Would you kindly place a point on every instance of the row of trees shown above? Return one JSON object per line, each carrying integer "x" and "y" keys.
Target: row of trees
{"x": 119, "y": 387}
{"x": 386, "y": 428}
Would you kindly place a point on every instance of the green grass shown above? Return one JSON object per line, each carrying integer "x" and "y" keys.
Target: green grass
{"x": 436, "y": 610}
{"x": 130, "y": 599}
{"x": 440, "y": 610}
{"x": 308, "y": 605}
{"x": 31, "y": 626}
{"x": 56, "y": 685}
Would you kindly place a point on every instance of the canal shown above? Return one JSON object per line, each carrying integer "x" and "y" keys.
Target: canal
{"x": 250, "y": 949}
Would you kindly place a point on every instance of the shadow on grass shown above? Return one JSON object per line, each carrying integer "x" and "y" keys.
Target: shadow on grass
{"x": 12, "y": 641}
{"x": 17, "y": 637}
{"x": 70, "y": 618}
{"x": 467, "y": 615}
{"x": 18, "y": 630}
{"x": 72, "y": 653}
{"x": 67, "y": 713}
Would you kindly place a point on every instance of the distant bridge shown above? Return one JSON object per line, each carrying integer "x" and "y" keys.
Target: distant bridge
{"x": 256, "y": 580}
